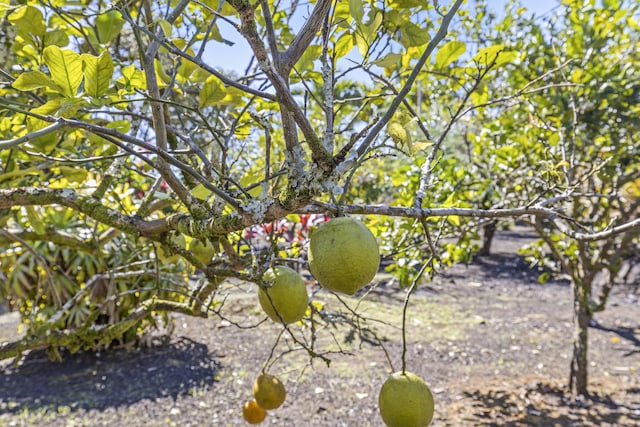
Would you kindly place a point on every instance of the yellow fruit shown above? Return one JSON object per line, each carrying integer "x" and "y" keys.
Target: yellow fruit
{"x": 269, "y": 391}
{"x": 405, "y": 401}
{"x": 288, "y": 295}
{"x": 253, "y": 413}
{"x": 343, "y": 255}
{"x": 204, "y": 251}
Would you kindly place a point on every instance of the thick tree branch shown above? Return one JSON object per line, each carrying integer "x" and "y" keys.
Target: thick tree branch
{"x": 306, "y": 35}
{"x": 537, "y": 211}
{"x": 288, "y": 104}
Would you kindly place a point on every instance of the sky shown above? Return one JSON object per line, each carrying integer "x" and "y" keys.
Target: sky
{"x": 237, "y": 57}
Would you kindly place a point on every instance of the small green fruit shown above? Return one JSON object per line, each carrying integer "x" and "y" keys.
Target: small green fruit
{"x": 204, "y": 251}
{"x": 269, "y": 391}
{"x": 288, "y": 295}
{"x": 164, "y": 253}
{"x": 343, "y": 255}
{"x": 405, "y": 401}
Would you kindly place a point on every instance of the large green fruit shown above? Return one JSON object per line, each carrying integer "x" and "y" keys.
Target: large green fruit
{"x": 343, "y": 255}
{"x": 288, "y": 295}
{"x": 405, "y": 401}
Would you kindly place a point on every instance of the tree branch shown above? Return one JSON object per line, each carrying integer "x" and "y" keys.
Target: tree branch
{"x": 306, "y": 35}
{"x": 11, "y": 143}
{"x": 159, "y": 124}
{"x": 287, "y": 103}
{"x": 440, "y": 35}
{"x": 57, "y": 237}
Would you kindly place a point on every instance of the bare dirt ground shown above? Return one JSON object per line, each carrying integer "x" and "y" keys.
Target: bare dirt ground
{"x": 493, "y": 344}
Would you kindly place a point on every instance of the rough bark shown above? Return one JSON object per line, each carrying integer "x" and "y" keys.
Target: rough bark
{"x": 578, "y": 379}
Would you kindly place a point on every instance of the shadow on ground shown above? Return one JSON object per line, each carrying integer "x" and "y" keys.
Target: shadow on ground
{"x": 537, "y": 406}
{"x": 622, "y": 332}
{"x": 115, "y": 378}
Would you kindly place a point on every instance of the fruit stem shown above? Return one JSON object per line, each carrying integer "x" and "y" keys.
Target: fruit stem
{"x": 412, "y": 288}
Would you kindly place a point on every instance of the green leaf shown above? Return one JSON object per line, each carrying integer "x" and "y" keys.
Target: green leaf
{"x": 108, "y": 26}
{"x": 212, "y": 92}
{"x": 449, "y": 53}
{"x": 389, "y": 60}
{"x": 480, "y": 95}
{"x": 28, "y": 19}
{"x": 97, "y": 73}
{"x": 65, "y": 67}
{"x": 34, "y": 80}
{"x": 413, "y": 35}
{"x": 132, "y": 78}
{"x": 73, "y": 174}
{"x": 310, "y": 54}
{"x": 344, "y": 45}
{"x": 200, "y": 192}
{"x": 356, "y": 10}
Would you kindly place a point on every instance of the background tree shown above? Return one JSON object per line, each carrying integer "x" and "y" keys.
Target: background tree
{"x": 569, "y": 142}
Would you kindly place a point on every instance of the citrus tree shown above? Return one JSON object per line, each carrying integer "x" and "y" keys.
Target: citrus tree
{"x": 570, "y": 143}
{"x": 131, "y": 161}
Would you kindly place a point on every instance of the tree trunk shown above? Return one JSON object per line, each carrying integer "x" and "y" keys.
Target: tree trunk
{"x": 488, "y": 230}
{"x": 582, "y": 316}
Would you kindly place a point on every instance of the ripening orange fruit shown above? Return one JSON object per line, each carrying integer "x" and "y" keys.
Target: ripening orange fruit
{"x": 253, "y": 413}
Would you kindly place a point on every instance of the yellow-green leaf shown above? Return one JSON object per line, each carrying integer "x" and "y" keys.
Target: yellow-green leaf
{"x": 65, "y": 67}
{"x": 212, "y": 92}
{"x": 310, "y": 54}
{"x": 132, "y": 78}
{"x": 108, "y": 26}
{"x": 34, "y": 80}
{"x": 449, "y": 53}
{"x": 413, "y": 35}
{"x": 200, "y": 192}
{"x": 356, "y": 10}
{"x": 97, "y": 73}
{"x": 397, "y": 132}
{"x": 495, "y": 55}
{"x": 166, "y": 27}
{"x": 480, "y": 95}
{"x": 361, "y": 42}
{"x": 73, "y": 174}
{"x": 389, "y": 60}
{"x": 28, "y": 19}
{"x": 344, "y": 45}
